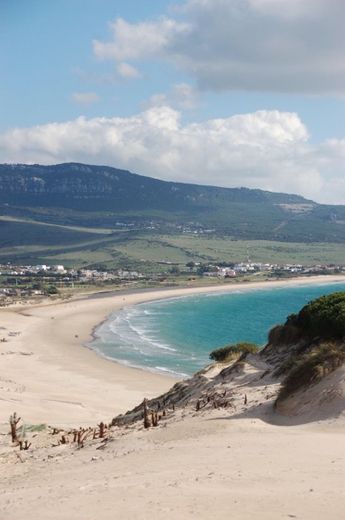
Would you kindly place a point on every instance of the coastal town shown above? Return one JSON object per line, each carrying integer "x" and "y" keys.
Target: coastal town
{"x": 20, "y": 282}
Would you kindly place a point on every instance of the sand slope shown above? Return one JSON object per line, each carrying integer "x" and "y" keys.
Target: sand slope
{"x": 216, "y": 463}
{"x": 205, "y": 468}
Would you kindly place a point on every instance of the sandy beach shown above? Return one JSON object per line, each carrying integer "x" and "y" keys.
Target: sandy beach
{"x": 239, "y": 463}
{"x": 49, "y": 376}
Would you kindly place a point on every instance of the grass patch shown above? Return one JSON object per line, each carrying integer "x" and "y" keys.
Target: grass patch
{"x": 231, "y": 250}
{"x": 40, "y": 242}
{"x": 229, "y": 352}
{"x": 312, "y": 367}
{"x": 31, "y": 428}
{"x": 35, "y": 427}
{"x": 315, "y": 342}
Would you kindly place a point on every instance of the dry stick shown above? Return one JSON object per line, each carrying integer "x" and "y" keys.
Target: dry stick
{"x": 14, "y": 420}
{"x": 201, "y": 404}
{"x": 82, "y": 436}
{"x": 24, "y": 446}
{"x": 63, "y": 439}
{"x": 245, "y": 399}
{"x": 147, "y": 423}
{"x": 79, "y": 436}
{"x": 101, "y": 427}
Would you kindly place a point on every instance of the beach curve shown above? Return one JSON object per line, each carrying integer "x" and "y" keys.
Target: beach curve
{"x": 48, "y": 376}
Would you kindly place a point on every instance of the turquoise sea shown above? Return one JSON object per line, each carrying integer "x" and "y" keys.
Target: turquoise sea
{"x": 176, "y": 335}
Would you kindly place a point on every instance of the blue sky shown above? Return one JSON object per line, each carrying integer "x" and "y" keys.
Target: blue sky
{"x": 47, "y": 56}
{"x": 169, "y": 70}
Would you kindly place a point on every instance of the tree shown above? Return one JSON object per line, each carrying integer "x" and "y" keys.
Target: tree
{"x": 52, "y": 289}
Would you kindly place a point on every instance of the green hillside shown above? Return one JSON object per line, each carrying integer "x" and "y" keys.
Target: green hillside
{"x": 100, "y": 196}
{"x": 92, "y": 215}
{"x": 35, "y": 243}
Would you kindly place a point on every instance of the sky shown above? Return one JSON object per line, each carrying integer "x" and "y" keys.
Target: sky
{"x": 223, "y": 92}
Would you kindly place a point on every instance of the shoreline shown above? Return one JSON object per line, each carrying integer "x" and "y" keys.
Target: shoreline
{"x": 298, "y": 280}
{"x": 189, "y": 293}
{"x": 52, "y": 376}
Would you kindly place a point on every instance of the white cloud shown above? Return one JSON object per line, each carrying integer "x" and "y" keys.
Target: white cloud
{"x": 266, "y": 149}
{"x": 134, "y": 41}
{"x": 127, "y": 71}
{"x": 85, "y": 98}
{"x": 267, "y": 45}
{"x": 181, "y": 96}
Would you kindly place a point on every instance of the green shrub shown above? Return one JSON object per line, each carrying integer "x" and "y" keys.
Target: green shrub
{"x": 225, "y": 353}
{"x": 52, "y": 289}
{"x": 284, "y": 334}
{"x": 312, "y": 367}
{"x": 324, "y": 317}
{"x": 317, "y": 335}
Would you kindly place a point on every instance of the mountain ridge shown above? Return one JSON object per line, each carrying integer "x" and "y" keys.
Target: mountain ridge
{"x": 75, "y": 193}
{"x": 110, "y": 174}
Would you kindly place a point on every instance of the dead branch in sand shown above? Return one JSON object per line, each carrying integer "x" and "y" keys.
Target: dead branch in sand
{"x": 214, "y": 400}
{"x": 14, "y": 420}
{"x": 147, "y": 423}
{"x": 82, "y": 436}
{"x": 64, "y": 439}
{"x": 24, "y": 445}
{"x": 155, "y": 416}
{"x": 102, "y": 428}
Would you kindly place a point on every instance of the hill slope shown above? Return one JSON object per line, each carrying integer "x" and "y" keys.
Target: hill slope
{"x": 76, "y": 194}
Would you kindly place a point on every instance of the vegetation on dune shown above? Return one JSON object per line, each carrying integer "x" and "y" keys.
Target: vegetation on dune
{"x": 312, "y": 367}
{"x": 320, "y": 319}
{"x": 315, "y": 342}
{"x": 324, "y": 317}
{"x": 230, "y": 351}
{"x": 287, "y": 334}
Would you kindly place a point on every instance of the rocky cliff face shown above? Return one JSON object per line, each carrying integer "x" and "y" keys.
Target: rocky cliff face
{"x": 61, "y": 179}
{"x": 77, "y": 180}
